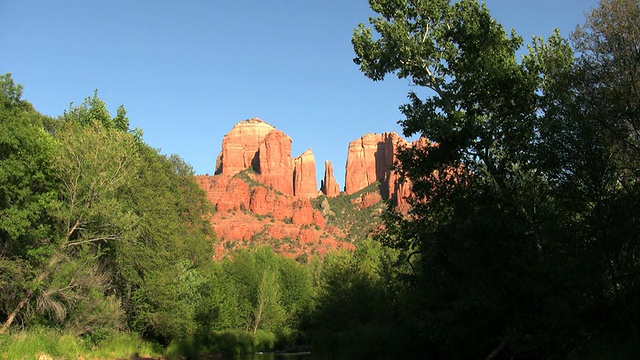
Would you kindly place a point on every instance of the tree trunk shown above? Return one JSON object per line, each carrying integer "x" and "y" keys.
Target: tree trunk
{"x": 15, "y": 312}
{"x": 498, "y": 349}
{"x": 27, "y": 296}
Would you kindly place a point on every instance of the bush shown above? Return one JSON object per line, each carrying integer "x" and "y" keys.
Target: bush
{"x": 264, "y": 341}
{"x": 124, "y": 345}
{"x": 58, "y": 344}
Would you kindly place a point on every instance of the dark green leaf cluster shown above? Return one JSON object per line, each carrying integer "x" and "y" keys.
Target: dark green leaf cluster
{"x": 522, "y": 239}
{"x": 259, "y": 293}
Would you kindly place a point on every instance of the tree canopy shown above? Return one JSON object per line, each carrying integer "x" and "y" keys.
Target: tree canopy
{"x": 97, "y": 228}
{"x": 520, "y": 228}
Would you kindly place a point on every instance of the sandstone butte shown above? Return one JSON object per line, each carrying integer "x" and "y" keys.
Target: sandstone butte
{"x": 240, "y": 146}
{"x": 271, "y": 201}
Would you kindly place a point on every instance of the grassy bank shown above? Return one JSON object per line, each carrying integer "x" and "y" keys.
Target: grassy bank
{"x": 46, "y": 343}
{"x": 57, "y": 344}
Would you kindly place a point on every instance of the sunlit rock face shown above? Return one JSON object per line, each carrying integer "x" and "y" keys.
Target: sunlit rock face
{"x": 261, "y": 194}
{"x": 241, "y": 145}
{"x": 305, "y": 180}
{"x": 370, "y": 159}
{"x": 330, "y": 186}
{"x": 275, "y": 165}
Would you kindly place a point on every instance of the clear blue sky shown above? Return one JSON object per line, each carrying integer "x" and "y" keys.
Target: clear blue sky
{"x": 187, "y": 71}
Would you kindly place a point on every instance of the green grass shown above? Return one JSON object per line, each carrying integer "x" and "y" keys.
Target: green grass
{"x": 57, "y": 344}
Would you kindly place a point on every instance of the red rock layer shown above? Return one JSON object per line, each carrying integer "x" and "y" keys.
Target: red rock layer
{"x": 330, "y": 186}
{"x": 305, "y": 180}
{"x": 225, "y": 192}
{"x": 362, "y": 163}
{"x": 246, "y": 215}
{"x": 274, "y": 162}
{"x": 370, "y": 199}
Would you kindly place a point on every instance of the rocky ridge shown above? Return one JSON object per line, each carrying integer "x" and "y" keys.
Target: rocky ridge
{"x": 262, "y": 195}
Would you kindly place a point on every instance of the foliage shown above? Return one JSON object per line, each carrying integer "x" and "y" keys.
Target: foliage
{"x": 58, "y": 344}
{"x": 356, "y": 312}
{"x": 344, "y": 212}
{"x": 518, "y": 214}
{"x": 264, "y": 295}
{"x": 253, "y": 294}
{"x": 100, "y": 232}
{"x": 28, "y": 196}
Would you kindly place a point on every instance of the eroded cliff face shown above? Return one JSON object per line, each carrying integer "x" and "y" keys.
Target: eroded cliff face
{"x": 370, "y": 159}
{"x": 305, "y": 179}
{"x": 275, "y": 164}
{"x": 330, "y": 186}
{"x": 240, "y": 146}
{"x": 257, "y": 145}
{"x": 250, "y": 213}
{"x": 261, "y": 194}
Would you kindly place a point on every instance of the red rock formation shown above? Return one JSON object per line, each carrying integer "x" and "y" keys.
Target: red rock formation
{"x": 370, "y": 199}
{"x": 400, "y": 188}
{"x": 225, "y": 192}
{"x": 256, "y": 214}
{"x": 370, "y": 159}
{"x": 240, "y": 146}
{"x": 330, "y": 186}
{"x": 274, "y": 162}
{"x": 274, "y": 207}
{"x": 237, "y": 227}
{"x": 255, "y": 144}
{"x": 400, "y": 193}
{"x": 267, "y": 202}
{"x": 305, "y": 179}
{"x": 361, "y": 163}
{"x": 304, "y": 214}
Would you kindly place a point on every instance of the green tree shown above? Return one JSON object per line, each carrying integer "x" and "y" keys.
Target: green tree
{"x": 296, "y": 291}
{"x": 94, "y": 109}
{"x": 99, "y": 231}
{"x": 501, "y": 235}
{"x": 255, "y": 275}
{"x": 155, "y": 264}
{"x": 608, "y": 95}
{"x": 90, "y": 166}
{"x": 28, "y": 193}
{"x": 356, "y": 312}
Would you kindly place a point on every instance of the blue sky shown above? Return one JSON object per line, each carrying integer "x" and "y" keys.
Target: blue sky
{"x": 187, "y": 71}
